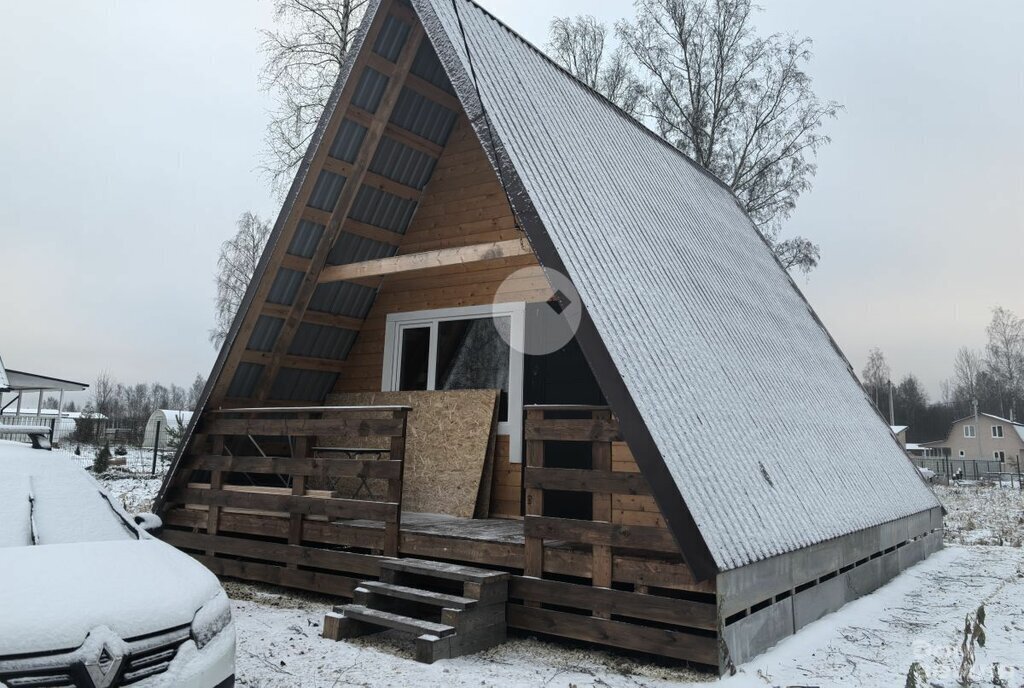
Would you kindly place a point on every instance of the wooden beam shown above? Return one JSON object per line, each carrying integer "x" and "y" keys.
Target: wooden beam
{"x": 427, "y": 260}
{"x": 316, "y": 317}
{"x": 296, "y": 212}
{"x": 393, "y": 131}
{"x": 341, "y": 209}
{"x": 327, "y": 365}
{"x": 373, "y": 179}
{"x": 415, "y": 83}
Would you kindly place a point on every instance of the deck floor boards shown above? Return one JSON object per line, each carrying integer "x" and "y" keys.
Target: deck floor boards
{"x": 501, "y": 530}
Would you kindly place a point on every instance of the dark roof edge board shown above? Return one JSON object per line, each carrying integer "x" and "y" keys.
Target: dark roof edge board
{"x": 287, "y": 208}
{"x": 677, "y": 515}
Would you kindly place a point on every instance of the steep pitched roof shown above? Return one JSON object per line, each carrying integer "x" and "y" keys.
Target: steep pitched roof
{"x": 705, "y": 346}
{"x": 747, "y": 421}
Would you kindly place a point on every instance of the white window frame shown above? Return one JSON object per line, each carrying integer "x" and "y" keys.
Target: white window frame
{"x": 516, "y": 311}
{"x": 962, "y": 453}
{"x": 973, "y": 431}
{"x": 998, "y": 436}
{"x": 999, "y": 455}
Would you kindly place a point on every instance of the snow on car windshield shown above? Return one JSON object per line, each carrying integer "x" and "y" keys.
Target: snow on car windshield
{"x": 45, "y": 499}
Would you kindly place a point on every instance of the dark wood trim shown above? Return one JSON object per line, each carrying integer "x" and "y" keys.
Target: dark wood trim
{"x": 594, "y": 533}
{"x": 586, "y": 480}
{"x": 664, "y": 642}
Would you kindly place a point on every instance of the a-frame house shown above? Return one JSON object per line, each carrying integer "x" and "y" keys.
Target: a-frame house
{"x": 694, "y": 472}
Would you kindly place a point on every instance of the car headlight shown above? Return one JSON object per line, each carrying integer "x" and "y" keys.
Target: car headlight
{"x": 211, "y": 619}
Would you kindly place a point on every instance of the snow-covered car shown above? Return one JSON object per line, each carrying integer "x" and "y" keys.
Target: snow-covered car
{"x": 89, "y": 598}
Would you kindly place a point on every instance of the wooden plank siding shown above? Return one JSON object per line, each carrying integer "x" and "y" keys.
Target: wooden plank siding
{"x": 462, "y": 205}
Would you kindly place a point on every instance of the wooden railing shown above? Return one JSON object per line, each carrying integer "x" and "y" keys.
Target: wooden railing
{"x": 284, "y": 476}
{"x": 596, "y": 426}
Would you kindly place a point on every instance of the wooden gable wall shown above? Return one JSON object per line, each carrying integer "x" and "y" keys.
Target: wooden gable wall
{"x": 464, "y": 204}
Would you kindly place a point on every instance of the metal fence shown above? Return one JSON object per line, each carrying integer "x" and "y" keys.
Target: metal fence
{"x": 131, "y": 448}
{"x": 972, "y": 469}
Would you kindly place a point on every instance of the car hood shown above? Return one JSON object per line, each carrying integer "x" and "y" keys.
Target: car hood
{"x": 52, "y": 596}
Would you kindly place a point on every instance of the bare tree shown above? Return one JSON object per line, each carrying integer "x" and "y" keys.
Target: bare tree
{"x": 967, "y": 367}
{"x": 739, "y": 104}
{"x": 876, "y": 374}
{"x": 195, "y": 391}
{"x": 104, "y": 394}
{"x": 1004, "y": 355}
{"x": 579, "y": 45}
{"x": 304, "y": 55}
{"x": 236, "y": 265}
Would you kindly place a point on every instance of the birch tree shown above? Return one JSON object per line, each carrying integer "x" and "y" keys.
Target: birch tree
{"x": 876, "y": 374}
{"x": 740, "y": 105}
{"x": 1004, "y": 356}
{"x": 580, "y": 44}
{"x": 304, "y": 54}
{"x": 236, "y": 265}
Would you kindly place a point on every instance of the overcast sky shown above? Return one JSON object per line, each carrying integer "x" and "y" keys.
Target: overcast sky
{"x": 131, "y": 135}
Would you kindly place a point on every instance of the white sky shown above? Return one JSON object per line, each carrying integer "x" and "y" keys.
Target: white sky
{"x": 131, "y": 134}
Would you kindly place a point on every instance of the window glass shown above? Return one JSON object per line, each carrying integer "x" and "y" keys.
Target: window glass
{"x": 474, "y": 354}
{"x": 968, "y": 431}
{"x": 415, "y": 359}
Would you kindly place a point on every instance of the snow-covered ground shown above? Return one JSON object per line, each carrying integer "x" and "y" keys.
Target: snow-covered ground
{"x": 918, "y": 617}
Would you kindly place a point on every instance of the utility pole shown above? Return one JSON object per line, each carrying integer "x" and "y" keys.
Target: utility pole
{"x": 977, "y": 429}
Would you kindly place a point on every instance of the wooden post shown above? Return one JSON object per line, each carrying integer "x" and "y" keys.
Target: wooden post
{"x": 156, "y": 443}
{"x": 533, "y": 550}
{"x": 300, "y": 450}
{"x": 216, "y": 483}
{"x": 601, "y": 557}
{"x": 393, "y": 528}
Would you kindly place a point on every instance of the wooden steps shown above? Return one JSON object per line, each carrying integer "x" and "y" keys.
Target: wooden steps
{"x": 403, "y": 592}
{"x": 453, "y": 610}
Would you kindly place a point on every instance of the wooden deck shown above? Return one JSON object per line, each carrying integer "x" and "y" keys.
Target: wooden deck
{"x": 495, "y": 530}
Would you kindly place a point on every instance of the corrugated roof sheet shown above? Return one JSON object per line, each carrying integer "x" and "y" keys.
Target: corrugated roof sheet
{"x": 426, "y": 66}
{"x": 423, "y": 116}
{"x": 391, "y": 38}
{"x": 285, "y": 286}
{"x": 295, "y": 384}
{"x": 243, "y": 384}
{"x": 326, "y": 191}
{"x": 352, "y": 248}
{"x": 767, "y": 434}
{"x": 348, "y": 140}
{"x": 369, "y": 89}
{"x": 402, "y": 164}
{"x": 342, "y": 298}
{"x": 264, "y": 334}
{"x": 322, "y": 341}
{"x": 382, "y": 209}
{"x": 307, "y": 236}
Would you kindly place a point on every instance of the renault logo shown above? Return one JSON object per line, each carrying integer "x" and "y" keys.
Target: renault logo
{"x": 104, "y": 654}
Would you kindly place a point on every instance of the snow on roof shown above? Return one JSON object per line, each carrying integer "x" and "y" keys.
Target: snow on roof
{"x": 897, "y": 429}
{"x": 747, "y": 399}
{"x": 4, "y": 383}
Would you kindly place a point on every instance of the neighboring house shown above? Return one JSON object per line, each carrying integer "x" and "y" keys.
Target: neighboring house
{"x": 631, "y": 487}
{"x": 983, "y": 437}
{"x": 901, "y": 434}
{"x": 16, "y": 384}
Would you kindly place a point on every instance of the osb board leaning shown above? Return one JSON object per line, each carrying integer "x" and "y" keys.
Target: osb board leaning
{"x": 449, "y": 444}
